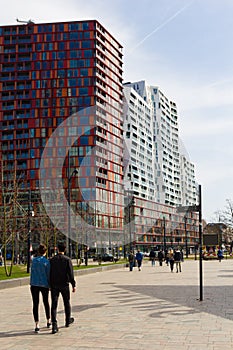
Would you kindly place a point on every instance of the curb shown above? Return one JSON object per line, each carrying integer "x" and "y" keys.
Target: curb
{"x": 18, "y": 282}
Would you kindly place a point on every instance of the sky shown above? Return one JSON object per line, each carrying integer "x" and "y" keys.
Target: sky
{"x": 185, "y": 48}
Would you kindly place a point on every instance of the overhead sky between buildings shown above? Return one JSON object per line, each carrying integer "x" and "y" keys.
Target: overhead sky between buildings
{"x": 185, "y": 48}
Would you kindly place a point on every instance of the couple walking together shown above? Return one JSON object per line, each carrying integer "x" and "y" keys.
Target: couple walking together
{"x": 54, "y": 274}
{"x": 175, "y": 257}
{"x": 138, "y": 257}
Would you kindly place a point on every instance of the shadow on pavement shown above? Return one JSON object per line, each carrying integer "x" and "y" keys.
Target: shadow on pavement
{"x": 80, "y": 308}
{"x": 45, "y": 330}
{"x": 26, "y": 333}
{"x": 217, "y": 300}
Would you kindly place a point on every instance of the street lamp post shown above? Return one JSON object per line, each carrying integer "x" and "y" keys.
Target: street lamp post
{"x": 200, "y": 244}
{"x": 109, "y": 236}
{"x": 30, "y": 213}
{"x": 130, "y": 206}
{"x": 130, "y": 233}
{"x": 69, "y": 176}
{"x": 124, "y": 250}
{"x": 29, "y": 237}
{"x": 129, "y": 199}
{"x": 197, "y": 208}
{"x": 164, "y": 234}
{"x": 186, "y": 238}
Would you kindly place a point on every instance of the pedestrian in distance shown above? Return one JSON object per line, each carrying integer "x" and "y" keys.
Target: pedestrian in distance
{"x": 152, "y": 257}
{"x": 160, "y": 257}
{"x": 61, "y": 275}
{"x": 220, "y": 254}
{"x": 39, "y": 283}
{"x": 171, "y": 259}
{"x": 166, "y": 257}
{"x": 139, "y": 258}
{"x": 178, "y": 259}
{"x": 131, "y": 259}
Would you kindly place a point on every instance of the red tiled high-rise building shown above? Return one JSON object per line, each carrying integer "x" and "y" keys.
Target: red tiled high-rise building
{"x": 49, "y": 72}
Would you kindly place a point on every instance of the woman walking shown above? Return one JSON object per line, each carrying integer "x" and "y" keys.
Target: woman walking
{"x": 171, "y": 259}
{"x": 39, "y": 281}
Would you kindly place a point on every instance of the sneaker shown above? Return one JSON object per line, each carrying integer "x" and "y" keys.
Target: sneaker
{"x": 49, "y": 325}
{"x": 71, "y": 320}
{"x": 54, "y": 328}
{"x": 37, "y": 330}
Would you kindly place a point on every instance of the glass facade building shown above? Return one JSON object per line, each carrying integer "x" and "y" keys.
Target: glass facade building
{"x": 64, "y": 139}
{"x": 50, "y": 72}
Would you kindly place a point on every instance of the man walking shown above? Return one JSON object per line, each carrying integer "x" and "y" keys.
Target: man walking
{"x": 178, "y": 259}
{"x": 160, "y": 257}
{"x": 131, "y": 259}
{"x": 139, "y": 258}
{"x": 61, "y": 274}
{"x": 152, "y": 257}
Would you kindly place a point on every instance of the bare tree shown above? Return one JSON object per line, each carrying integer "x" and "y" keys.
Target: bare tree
{"x": 227, "y": 214}
{"x": 44, "y": 228}
{"x": 10, "y": 188}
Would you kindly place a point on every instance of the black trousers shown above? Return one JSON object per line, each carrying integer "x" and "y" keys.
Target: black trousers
{"x": 35, "y": 291}
{"x": 65, "y": 292}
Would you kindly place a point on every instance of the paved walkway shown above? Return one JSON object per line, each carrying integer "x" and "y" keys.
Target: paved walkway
{"x": 118, "y": 309}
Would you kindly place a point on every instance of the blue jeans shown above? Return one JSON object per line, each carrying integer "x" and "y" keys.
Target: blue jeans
{"x": 139, "y": 263}
{"x": 131, "y": 265}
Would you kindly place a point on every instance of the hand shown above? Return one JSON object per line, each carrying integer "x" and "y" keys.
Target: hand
{"x": 74, "y": 289}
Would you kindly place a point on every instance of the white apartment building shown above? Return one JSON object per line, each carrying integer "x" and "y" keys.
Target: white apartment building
{"x": 173, "y": 175}
{"x": 189, "y": 185}
{"x": 139, "y": 146}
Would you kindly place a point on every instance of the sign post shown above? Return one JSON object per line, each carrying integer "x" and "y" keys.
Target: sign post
{"x": 200, "y": 245}
{"x": 197, "y": 208}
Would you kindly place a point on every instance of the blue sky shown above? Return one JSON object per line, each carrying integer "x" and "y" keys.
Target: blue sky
{"x": 184, "y": 47}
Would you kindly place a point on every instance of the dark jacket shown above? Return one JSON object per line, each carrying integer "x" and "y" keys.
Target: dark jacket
{"x": 160, "y": 255}
{"x": 178, "y": 255}
{"x": 139, "y": 256}
{"x": 131, "y": 257}
{"x": 152, "y": 254}
{"x": 61, "y": 272}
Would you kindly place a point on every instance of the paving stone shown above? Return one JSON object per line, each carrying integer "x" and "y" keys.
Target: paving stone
{"x": 122, "y": 310}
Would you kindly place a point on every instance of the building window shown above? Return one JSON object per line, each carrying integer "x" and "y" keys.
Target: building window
{"x": 84, "y": 72}
{"x": 73, "y": 36}
{"x": 83, "y": 91}
{"x": 86, "y": 44}
{"x": 74, "y": 26}
{"x": 85, "y": 25}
